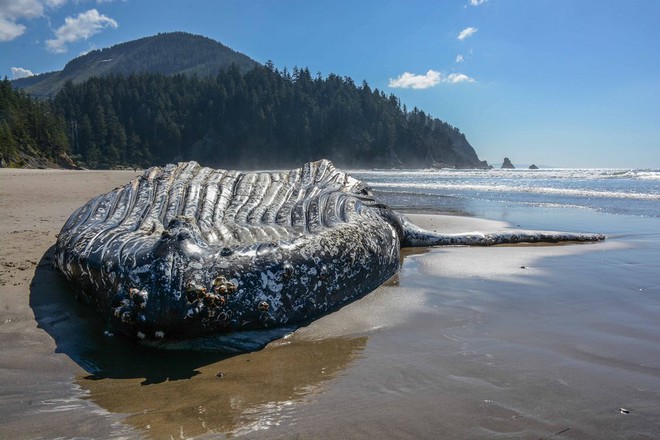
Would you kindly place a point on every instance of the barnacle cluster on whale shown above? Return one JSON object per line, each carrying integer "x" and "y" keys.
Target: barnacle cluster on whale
{"x": 185, "y": 250}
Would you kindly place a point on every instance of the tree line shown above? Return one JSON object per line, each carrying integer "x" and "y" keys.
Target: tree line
{"x": 28, "y": 128}
{"x": 260, "y": 118}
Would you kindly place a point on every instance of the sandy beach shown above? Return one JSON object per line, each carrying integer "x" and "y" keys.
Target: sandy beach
{"x": 527, "y": 342}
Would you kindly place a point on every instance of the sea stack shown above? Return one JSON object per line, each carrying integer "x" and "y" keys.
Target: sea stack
{"x": 507, "y": 164}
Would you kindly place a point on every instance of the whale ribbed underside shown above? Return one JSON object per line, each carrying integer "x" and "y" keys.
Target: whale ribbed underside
{"x": 230, "y": 208}
{"x": 185, "y": 250}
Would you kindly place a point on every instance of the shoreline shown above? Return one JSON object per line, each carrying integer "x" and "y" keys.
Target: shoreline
{"x": 521, "y": 341}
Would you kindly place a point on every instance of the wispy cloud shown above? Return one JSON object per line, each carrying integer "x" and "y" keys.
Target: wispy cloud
{"x": 467, "y": 32}
{"x": 477, "y": 2}
{"x": 12, "y": 11}
{"x": 9, "y": 29}
{"x": 459, "y": 58}
{"x": 432, "y": 78}
{"x": 19, "y": 72}
{"x": 81, "y": 27}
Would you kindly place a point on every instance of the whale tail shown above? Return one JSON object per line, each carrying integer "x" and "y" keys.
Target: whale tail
{"x": 414, "y": 236}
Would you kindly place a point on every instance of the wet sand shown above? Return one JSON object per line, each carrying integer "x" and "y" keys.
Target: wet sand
{"x": 508, "y": 342}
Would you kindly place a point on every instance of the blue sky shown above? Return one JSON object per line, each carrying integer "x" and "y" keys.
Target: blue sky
{"x": 552, "y": 82}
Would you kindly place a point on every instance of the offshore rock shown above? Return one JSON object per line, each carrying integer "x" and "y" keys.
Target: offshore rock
{"x": 507, "y": 164}
{"x": 186, "y": 250}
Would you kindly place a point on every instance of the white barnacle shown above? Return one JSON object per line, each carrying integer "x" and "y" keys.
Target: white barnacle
{"x": 160, "y": 334}
{"x": 145, "y": 296}
{"x": 141, "y": 335}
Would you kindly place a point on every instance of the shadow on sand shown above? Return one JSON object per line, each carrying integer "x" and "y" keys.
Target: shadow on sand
{"x": 81, "y": 334}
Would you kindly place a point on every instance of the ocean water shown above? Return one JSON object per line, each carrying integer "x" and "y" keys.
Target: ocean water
{"x": 612, "y": 191}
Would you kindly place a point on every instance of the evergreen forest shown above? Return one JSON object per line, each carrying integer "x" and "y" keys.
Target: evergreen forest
{"x": 29, "y": 129}
{"x": 261, "y": 118}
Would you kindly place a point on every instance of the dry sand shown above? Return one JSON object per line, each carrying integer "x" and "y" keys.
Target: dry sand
{"x": 525, "y": 342}
{"x": 39, "y": 396}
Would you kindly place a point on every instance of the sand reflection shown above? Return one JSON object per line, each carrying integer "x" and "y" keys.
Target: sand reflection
{"x": 234, "y": 396}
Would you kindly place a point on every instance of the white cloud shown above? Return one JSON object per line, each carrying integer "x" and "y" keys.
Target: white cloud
{"x": 477, "y": 2}
{"x": 81, "y": 27}
{"x": 467, "y": 32}
{"x": 13, "y": 11}
{"x": 19, "y": 72}
{"x": 432, "y": 78}
{"x": 10, "y": 29}
{"x": 21, "y": 8}
{"x": 409, "y": 80}
{"x": 459, "y": 58}
{"x": 455, "y": 78}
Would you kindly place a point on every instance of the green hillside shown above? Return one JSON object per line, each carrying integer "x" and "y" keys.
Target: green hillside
{"x": 30, "y": 133}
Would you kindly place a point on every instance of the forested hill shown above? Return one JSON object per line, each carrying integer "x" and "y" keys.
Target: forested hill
{"x": 178, "y": 96}
{"x": 31, "y": 135}
{"x": 262, "y": 118}
{"x": 167, "y": 53}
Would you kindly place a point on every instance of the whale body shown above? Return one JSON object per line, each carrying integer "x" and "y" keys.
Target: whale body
{"x": 185, "y": 250}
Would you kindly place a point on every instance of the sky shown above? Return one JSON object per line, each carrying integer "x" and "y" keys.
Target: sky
{"x": 563, "y": 83}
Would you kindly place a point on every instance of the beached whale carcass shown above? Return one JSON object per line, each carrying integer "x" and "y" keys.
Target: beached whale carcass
{"x": 185, "y": 250}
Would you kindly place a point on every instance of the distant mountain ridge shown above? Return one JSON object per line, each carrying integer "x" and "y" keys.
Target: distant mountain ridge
{"x": 167, "y": 53}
